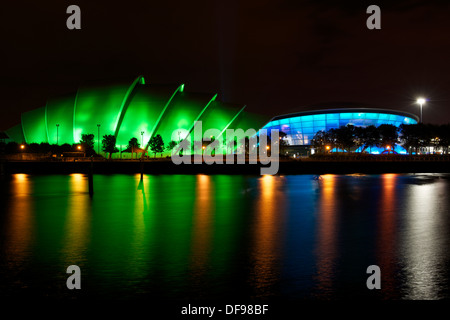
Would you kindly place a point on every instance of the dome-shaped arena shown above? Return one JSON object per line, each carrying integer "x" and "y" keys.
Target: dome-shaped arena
{"x": 126, "y": 110}
{"x": 301, "y": 127}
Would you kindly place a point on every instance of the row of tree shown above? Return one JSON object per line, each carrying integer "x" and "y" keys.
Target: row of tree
{"x": 156, "y": 145}
{"x": 87, "y": 146}
{"x": 412, "y": 137}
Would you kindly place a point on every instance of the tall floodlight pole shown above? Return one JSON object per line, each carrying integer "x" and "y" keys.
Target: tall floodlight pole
{"x": 98, "y": 141}
{"x": 57, "y": 133}
{"x": 421, "y": 102}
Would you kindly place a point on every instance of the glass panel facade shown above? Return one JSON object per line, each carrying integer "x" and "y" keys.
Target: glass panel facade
{"x": 319, "y": 117}
{"x": 333, "y": 116}
{"x": 346, "y": 116}
{"x": 333, "y": 123}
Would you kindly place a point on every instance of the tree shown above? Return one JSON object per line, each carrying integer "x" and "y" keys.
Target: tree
{"x": 370, "y": 137}
{"x": 344, "y": 137}
{"x": 410, "y": 137}
{"x": 109, "y": 144}
{"x": 156, "y": 144}
{"x": 388, "y": 135}
{"x": 322, "y": 139}
{"x": 359, "y": 137}
{"x": 87, "y": 142}
{"x": 283, "y": 142}
{"x": 444, "y": 137}
{"x": 172, "y": 144}
{"x": 133, "y": 144}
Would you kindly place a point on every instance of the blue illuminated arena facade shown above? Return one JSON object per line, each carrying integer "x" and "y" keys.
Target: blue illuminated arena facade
{"x": 301, "y": 127}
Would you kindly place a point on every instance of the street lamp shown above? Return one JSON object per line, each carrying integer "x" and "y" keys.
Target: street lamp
{"x": 57, "y": 133}
{"x": 421, "y": 102}
{"x": 98, "y": 137}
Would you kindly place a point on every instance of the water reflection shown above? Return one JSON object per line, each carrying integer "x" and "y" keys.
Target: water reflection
{"x": 386, "y": 242}
{"x": 424, "y": 248}
{"x": 202, "y": 226}
{"x": 188, "y": 237}
{"x": 78, "y": 221}
{"x": 20, "y": 221}
{"x": 327, "y": 240}
{"x": 268, "y": 234}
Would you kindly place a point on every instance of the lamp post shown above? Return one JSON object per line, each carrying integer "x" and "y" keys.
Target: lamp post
{"x": 98, "y": 141}
{"x": 57, "y": 133}
{"x": 142, "y": 139}
{"x": 421, "y": 102}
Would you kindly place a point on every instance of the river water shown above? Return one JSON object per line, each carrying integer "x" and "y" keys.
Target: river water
{"x": 219, "y": 237}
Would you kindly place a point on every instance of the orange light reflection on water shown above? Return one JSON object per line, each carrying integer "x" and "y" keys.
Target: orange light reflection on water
{"x": 20, "y": 228}
{"x": 386, "y": 234}
{"x": 201, "y": 235}
{"x": 78, "y": 220}
{"x": 326, "y": 246}
{"x": 269, "y": 221}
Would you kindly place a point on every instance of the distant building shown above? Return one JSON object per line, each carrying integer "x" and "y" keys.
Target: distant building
{"x": 301, "y": 127}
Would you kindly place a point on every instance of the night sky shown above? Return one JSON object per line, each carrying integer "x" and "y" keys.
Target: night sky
{"x": 273, "y": 56}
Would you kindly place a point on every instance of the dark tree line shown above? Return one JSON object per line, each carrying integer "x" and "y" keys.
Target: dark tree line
{"x": 412, "y": 137}
{"x": 14, "y": 147}
{"x": 87, "y": 146}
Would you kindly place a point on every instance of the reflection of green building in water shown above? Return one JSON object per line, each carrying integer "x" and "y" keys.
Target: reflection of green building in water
{"x": 127, "y": 110}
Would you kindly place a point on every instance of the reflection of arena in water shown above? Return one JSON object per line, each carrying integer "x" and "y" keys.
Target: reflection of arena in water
{"x": 301, "y": 127}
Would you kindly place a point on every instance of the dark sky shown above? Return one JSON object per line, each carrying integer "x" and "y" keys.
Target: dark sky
{"x": 274, "y": 56}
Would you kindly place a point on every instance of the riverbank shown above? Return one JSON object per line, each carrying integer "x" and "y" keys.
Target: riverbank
{"x": 166, "y": 166}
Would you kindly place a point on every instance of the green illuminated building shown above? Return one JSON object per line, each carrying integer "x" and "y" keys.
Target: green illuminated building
{"x": 127, "y": 110}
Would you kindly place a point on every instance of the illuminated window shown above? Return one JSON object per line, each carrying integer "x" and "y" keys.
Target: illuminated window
{"x": 319, "y": 123}
{"x": 333, "y": 123}
{"x": 307, "y": 124}
{"x": 308, "y": 130}
{"x": 333, "y": 116}
{"x": 319, "y": 117}
{"x": 346, "y": 116}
